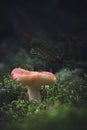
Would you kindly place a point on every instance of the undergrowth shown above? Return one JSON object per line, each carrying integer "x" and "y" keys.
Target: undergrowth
{"x": 67, "y": 100}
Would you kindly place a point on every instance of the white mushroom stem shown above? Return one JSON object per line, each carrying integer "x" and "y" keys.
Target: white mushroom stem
{"x": 34, "y": 94}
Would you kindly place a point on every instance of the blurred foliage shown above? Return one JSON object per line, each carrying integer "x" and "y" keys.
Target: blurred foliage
{"x": 49, "y": 49}
{"x": 60, "y": 118}
{"x": 23, "y": 60}
{"x": 39, "y": 54}
{"x": 44, "y": 56}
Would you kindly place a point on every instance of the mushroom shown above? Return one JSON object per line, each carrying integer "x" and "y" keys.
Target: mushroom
{"x": 33, "y": 80}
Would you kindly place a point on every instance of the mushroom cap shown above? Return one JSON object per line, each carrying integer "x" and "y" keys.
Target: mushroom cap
{"x": 33, "y": 78}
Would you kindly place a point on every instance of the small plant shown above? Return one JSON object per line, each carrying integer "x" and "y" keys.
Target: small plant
{"x": 23, "y": 109}
{"x": 71, "y": 85}
{"x": 10, "y": 90}
{"x": 70, "y": 88}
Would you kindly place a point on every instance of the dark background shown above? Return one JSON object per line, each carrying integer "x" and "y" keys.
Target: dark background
{"x": 42, "y": 19}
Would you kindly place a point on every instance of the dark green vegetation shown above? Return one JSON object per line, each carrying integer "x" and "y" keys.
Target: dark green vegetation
{"x": 64, "y": 118}
{"x": 63, "y": 106}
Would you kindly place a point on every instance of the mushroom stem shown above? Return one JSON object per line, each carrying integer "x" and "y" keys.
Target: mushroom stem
{"x": 34, "y": 94}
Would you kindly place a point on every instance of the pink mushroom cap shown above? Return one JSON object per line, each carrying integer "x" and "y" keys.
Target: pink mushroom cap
{"x": 33, "y": 78}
